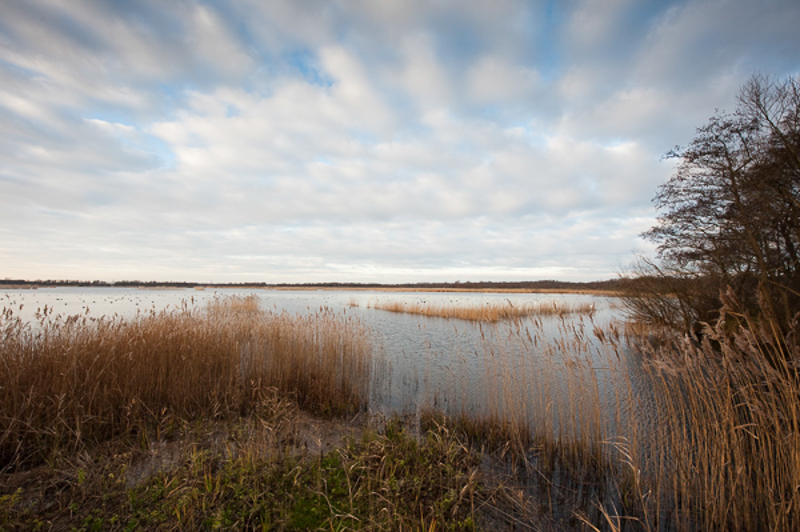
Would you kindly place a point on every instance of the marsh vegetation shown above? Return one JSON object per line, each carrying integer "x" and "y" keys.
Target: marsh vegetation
{"x": 70, "y": 383}
{"x": 232, "y": 416}
{"x": 491, "y": 312}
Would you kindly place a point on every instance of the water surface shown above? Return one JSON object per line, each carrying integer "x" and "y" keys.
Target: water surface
{"x": 554, "y": 371}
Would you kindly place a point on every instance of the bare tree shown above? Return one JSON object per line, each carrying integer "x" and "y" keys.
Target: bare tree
{"x": 730, "y": 215}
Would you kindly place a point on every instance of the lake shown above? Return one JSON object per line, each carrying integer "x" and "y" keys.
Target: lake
{"x": 562, "y": 374}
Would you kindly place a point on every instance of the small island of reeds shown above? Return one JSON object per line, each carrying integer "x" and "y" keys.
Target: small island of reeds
{"x": 490, "y": 311}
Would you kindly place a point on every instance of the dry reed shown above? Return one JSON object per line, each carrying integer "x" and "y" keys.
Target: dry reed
{"x": 489, "y": 312}
{"x": 537, "y": 413}
{"x": 729, "y": 424}
{"x": 65, "y": 383}
{"x": 718, "y": 450}
{"x": 708, "y": 438}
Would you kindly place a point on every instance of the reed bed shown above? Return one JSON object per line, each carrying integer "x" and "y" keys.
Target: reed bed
{"x": 542, "y": 413}
{"x": 66, "y": 383}
{"x": 706, "y": 437}
{"x": 488, "y": 312}
{"x": 729, "y": 423}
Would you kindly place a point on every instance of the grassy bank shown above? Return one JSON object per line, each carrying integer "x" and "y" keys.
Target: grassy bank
{"x": 255, "y": 473}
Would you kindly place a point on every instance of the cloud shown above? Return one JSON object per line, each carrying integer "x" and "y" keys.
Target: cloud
{"x": 321, "y": 140}
{"x": 494, "y": 80}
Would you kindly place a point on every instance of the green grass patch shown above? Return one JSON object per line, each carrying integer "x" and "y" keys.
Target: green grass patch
{"x": 378, "y": 480}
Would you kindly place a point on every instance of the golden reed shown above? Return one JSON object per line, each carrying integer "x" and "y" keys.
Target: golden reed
{"x": 68, "y": 382}
{"x": 489, "y": 312}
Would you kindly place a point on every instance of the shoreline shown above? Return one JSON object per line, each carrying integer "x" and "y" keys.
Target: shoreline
{"x": 338, "y": 288}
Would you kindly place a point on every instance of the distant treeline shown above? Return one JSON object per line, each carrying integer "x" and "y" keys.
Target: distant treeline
{"x": 52, "y": 282}
{"x": 611, "y": 285}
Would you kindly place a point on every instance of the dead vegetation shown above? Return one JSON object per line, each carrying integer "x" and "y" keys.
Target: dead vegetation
{"x": 68, "y": 383}
{"x": 219, "y": 419}
{"x": 489, "y": 312}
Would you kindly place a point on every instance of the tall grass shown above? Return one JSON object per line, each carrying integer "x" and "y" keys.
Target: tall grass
{"x": 488, "y": 312}
{"x": 542, "y": 411}
{"x": 705, "y": 437}
{"x": 65, "y": 383}
{"x": 729, "y": 420}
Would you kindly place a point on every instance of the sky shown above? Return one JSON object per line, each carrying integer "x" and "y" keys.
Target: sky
{"x": 357, "y": 141}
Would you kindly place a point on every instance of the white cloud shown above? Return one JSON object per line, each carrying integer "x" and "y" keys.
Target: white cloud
{"x": 422, "y": 76}
{"x": 494, "y": 80}
{"x": 307, "y": 140}
{"x": 594, "y": 23}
